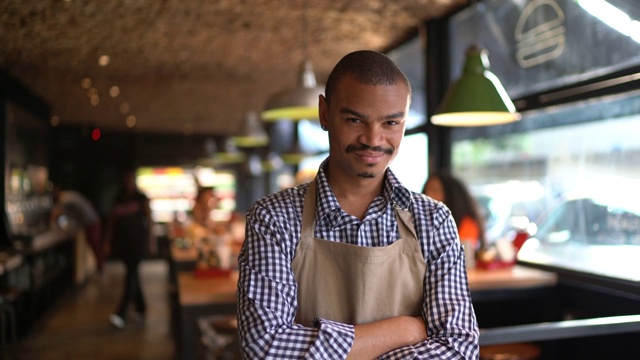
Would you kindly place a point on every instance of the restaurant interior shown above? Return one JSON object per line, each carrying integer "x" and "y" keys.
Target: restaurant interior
{"x": 533, "y": 104}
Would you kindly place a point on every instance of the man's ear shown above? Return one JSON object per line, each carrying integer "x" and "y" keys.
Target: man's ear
{"x": 323, "y": 112}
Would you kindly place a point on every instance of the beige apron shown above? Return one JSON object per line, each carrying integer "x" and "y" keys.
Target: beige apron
{"x": 356, "y": 284}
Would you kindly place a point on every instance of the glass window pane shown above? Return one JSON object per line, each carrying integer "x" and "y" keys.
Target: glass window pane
{"x": 575, "y": 187}
{"x": 410, "y": 165}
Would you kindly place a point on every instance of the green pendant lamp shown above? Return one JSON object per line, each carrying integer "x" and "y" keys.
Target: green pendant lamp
{"x": 477, "y": 98}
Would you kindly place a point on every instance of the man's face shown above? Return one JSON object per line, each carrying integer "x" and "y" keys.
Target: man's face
{"x": 366, "y": 125}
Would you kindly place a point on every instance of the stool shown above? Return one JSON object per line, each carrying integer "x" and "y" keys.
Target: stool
{"x": 7, "y": 312}
{"x": 516, "y": 351}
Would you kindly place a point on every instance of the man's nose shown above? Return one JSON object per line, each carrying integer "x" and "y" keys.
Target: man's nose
{"x": 372, "y": 135}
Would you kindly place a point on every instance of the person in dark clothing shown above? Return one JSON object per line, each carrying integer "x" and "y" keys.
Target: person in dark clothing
{"x": 128, "y": 234}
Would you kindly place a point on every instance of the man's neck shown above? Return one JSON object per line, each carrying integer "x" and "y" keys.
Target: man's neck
{"x": 354, "y": 193}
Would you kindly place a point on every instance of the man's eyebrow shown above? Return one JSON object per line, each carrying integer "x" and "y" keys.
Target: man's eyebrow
{"x": 346, "y": 110}
{"x": 399, "y": 114}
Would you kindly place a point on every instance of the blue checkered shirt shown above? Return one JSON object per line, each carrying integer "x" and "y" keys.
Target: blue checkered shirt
{"x": 267, "y": 299}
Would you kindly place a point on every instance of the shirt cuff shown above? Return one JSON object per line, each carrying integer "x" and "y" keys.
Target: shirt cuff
{"x": 403, "y": 353}
{"x": 339, "y": 334}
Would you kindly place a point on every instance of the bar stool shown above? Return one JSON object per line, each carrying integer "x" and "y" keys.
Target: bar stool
{"x": 8, "y": 313}
{"x": 516, "y": 351}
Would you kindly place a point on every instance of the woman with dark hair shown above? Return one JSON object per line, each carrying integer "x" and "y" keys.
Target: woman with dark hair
{"x": 464, "y": 209}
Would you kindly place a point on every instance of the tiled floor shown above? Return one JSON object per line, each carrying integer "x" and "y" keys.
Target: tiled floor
{"x": 78, "y": 327}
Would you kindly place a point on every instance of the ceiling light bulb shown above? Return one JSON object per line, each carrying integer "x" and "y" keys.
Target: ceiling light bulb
{"x": 103, "y": 60}
{"x": 114, "y": 91}
{"x": 86, "y": 83}
{"x": 131, "y": 121}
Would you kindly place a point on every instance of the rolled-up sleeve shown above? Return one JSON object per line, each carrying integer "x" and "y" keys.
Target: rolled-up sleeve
{"x": 267, "y": 300}
{"x": 451, "y": 323}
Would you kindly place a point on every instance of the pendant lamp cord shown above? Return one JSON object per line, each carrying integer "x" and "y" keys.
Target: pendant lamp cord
{"x": 305, "y": 30}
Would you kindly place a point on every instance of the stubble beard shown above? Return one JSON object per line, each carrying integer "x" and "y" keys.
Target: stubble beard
{"x": 366, "y": 175}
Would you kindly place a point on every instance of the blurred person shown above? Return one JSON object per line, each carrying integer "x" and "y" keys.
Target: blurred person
{"x": 79, "y": 211}
{"x": 204, "y": 202}
{"x": 353, "y": 264}
{"x": 127, "y": 237}
{"x": 455, "y": 195}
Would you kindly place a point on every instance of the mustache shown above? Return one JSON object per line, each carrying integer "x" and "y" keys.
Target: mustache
{"x": 364, "y": 147}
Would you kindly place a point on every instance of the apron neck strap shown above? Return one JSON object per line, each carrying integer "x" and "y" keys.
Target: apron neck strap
{"x": 309, "y": 212}
{"x": 403, "y": 216}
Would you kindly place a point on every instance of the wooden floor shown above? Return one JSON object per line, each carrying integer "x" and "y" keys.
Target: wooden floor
{"x": 77, "y": 327}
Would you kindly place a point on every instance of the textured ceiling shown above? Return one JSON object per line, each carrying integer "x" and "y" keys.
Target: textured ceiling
{"x": 188, "y": 66}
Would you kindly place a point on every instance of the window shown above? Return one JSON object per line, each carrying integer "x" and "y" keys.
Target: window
{"x": 567, "y": 172}
{"x": 410, "y": 165}
{"x": 574, "y": 186}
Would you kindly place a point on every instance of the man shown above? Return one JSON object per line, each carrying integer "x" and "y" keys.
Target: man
{"x": 354, "y": 265}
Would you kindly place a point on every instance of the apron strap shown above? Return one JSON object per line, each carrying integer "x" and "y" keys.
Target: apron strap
{"x": 308, "y": 215}
{"x": 406, "y": 226}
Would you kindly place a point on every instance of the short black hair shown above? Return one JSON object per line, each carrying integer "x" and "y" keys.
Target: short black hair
{"x": 368, "y": 67}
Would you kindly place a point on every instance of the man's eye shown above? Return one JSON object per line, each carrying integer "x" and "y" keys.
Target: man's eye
{"x": 353, "y": 120}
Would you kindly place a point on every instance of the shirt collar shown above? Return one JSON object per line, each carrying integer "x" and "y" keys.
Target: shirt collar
{"x": 393, "y": 192}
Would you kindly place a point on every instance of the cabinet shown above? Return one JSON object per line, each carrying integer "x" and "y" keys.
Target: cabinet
{"x": 44, "y": 272}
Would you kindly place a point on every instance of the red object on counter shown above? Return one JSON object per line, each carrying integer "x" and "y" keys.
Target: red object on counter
{"x": 494, "y": 265}
{"x": 211, "y": 272}
{"x": 520, "y": 239}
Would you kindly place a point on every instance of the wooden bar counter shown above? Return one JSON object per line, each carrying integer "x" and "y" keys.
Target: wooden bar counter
{"x": 515, "y": 277}
{"x": 207, "y": 296}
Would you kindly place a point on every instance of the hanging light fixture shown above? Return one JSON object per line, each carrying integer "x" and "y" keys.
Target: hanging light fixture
{"x": 295, "y": 154}
{"x": 477, "y": 98}
{"x": 271, "y": 161}
{"x": 300, "y": 102}
{"x": 252, "y": 133}
{"x": 228, "y": 153}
